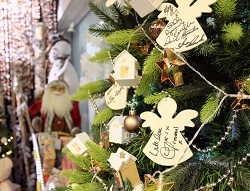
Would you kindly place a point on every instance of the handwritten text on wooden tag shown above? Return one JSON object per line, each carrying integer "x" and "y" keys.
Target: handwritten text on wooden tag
{"x": 167, "y": 146}
{"x": 116, "y": 97}
{"x": 183, "y": 32}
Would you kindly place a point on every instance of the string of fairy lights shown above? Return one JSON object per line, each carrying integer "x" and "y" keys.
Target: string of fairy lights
{"x": 5, "y": 142}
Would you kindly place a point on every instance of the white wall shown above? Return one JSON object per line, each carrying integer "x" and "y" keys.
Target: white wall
{"x": 62, "y": 6}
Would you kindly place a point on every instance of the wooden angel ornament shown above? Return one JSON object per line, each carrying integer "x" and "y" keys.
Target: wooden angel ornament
{"x": 183, "y": 32}
{"x": 167, "y": 146}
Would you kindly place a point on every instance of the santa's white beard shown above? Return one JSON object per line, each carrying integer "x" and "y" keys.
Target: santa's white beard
{"x": 59, "y": 105}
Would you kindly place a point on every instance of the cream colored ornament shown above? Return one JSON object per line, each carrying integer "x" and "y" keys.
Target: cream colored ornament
{"x": 77, "y": 145}
{"x": 117, "y": 132}
{"x": 110, "y": 2}
{"x": 124, "y": 163}
{"x": 183, "y": 32}
{"x": 167, "y": 146}
{"x": 145, "y": 7}
{"x": 116, "y": 96}
{"x": 126, "y": 69}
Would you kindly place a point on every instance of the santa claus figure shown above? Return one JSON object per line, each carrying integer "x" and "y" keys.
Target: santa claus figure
{"x": 56, "y": 111}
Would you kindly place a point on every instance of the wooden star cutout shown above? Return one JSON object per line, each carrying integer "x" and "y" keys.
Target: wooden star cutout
{"x": 163, "y": 66}
{"x": 169, "y": 60}
{"x": 237, "y": 103}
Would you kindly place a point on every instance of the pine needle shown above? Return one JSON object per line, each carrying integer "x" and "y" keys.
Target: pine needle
{"x": 101, "y": 57}
{"x": 124, "y": 37}
{"x": 77, "y": 176}
{"x": 104, "y": 115}
{"x": 80, "y": 160}
{"x": 225, "y": 8}
{"x": 207, "y": 48}
{"x": 98, "y": 154}
{"x": 155, "y": 98}
{"x": 150, "y": 74}
{"x": 232, "y": 32}
{"x": 93, "y": 186}
{"x": 96, "y": 90}
{"x": 209, "y": 107}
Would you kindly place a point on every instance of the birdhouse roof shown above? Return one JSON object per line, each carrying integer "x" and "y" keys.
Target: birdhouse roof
{"x": 120, "y": 119}
{"x": 120, "y": 158}
{"x": 82, "y": 136}
{"x": 125, "y": 53}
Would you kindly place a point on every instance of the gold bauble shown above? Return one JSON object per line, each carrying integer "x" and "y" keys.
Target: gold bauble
{"x": 132, "y": 123}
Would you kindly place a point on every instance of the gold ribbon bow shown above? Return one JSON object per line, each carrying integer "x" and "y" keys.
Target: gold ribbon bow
{"x": 169, "y": 61}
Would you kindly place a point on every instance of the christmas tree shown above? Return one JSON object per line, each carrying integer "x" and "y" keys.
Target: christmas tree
{"x": 177, "y": 100}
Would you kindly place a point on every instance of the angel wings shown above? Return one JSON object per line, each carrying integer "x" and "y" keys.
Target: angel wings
{"x": 183, "y": 32}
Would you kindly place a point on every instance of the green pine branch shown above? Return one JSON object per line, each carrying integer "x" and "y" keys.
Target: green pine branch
{"x": 209, "y": 107}
{"x": 103, "y": 14}
{"x": 101, "y": 30}
{"x": 101, "y": 57}
{"x": 104, "y": 115}
{"x": 155, "y": 98}
{"x": 150, "y": 73}
{"x": 80, "y": 160}
{"x": 99, "y": 155}
{"x": 96, "y": 89}
{"x": 77, "y": 176}
{"x": 124, "y": 37}
{"x": 88, "y": 187}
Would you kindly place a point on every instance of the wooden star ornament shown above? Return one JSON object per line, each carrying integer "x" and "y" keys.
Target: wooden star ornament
{"x": 168, "y": 62}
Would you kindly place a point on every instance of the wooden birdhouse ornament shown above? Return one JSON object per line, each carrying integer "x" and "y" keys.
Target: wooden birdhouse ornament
{"x": 77, "y": 145}
{"x": 145, "y": 7}
{"x": 126, "y": 69}
{"x": 124, "y": 163}
{"x": 117, "y": 132}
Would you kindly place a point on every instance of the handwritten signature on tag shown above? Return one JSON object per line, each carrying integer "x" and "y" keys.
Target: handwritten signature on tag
{"x": 183, "y": 32}
{"x": 167, "y": 146}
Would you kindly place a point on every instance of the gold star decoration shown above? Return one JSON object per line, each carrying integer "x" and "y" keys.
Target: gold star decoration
{"x": 169, "y": 61}
{"x": 242, "y": 99}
